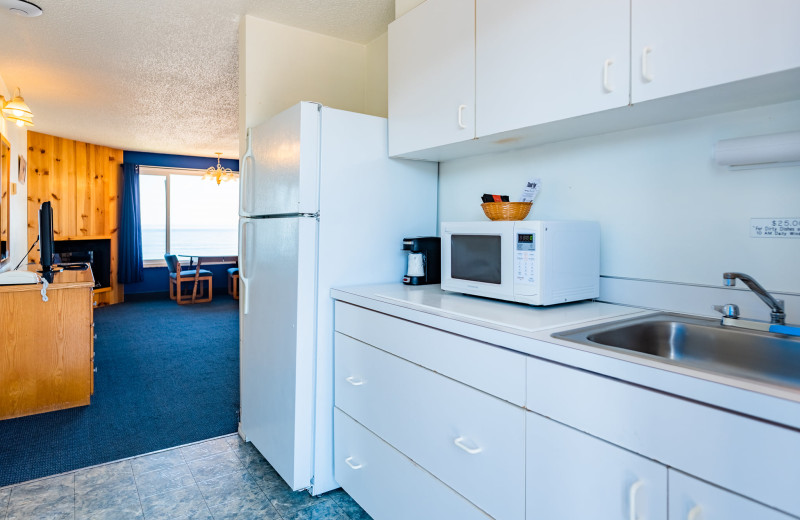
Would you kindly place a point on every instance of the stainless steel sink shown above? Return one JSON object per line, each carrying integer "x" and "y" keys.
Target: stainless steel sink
{"x": 699, "y": 343}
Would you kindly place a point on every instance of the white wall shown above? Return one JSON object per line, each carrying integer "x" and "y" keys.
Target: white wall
{"x": 667, "y": 212}
{"x": 376, "y": 77}
{"x": 281, "y": 65}
{"x": 401, "y": 7}
{"x": 18, "y": 138}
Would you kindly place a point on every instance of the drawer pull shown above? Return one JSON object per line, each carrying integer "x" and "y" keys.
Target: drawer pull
{"x": 459, "y": 441}
{"x": 632, "y": 499}
{"x": 695, "y": 513}
{"x": 349, "y": 462}
{"x": 355, "y": 381}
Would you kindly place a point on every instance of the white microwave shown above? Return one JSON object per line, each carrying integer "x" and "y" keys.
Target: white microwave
{"x": 538, "y": 262}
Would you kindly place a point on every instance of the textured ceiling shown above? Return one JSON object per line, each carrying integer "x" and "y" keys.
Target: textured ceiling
{"x": 153, "y": 75}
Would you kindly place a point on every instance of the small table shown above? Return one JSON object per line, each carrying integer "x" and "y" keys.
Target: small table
{"x": 208, "y": 259}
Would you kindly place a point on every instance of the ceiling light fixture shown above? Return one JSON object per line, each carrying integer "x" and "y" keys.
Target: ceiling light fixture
{"x": 21, "y": 7}
{"x": 219, "y": 173}
{"x": 17, "y": 110}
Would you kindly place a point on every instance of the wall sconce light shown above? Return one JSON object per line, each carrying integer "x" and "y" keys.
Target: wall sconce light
{"x": 17, "y": 110}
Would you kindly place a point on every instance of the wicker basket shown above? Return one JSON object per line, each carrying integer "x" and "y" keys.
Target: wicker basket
{"x": 506, "y": 210}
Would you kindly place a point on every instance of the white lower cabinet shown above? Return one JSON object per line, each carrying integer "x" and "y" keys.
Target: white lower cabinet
{"x": 692, "y": 499}
{"x": 754, "y": 458}
{"x": 387, "y": 484}
{"x": 572, "y": 475}
{"x": 470, "y": 440}
{"x": 424, "y": 428}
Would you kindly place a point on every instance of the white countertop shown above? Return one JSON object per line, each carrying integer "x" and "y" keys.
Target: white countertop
{"x": 527, "y": 329}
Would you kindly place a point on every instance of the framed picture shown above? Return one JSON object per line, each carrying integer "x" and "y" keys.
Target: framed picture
{"x": 23, "y": 170}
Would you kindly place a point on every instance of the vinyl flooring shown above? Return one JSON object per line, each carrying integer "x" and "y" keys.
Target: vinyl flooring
{"x": 219, "y": 479}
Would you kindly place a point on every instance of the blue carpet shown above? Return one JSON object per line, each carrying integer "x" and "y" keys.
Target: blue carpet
{"x": 166, "y": 375}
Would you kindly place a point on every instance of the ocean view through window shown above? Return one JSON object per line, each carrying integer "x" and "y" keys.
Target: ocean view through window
{"x": 185, "y": 215}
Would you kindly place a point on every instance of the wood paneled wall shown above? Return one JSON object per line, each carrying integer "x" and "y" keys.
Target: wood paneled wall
{"x": 82, "y": 181}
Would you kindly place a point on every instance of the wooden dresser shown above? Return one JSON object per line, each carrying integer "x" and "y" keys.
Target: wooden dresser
{"x": 46, "y": 348}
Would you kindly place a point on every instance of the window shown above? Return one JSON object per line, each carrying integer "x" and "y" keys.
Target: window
{"x": 153, "y": 200}
{"x": 184, "y": 214}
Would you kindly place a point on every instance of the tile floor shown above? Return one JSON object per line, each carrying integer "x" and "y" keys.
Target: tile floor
{"x": 218, "y": 479}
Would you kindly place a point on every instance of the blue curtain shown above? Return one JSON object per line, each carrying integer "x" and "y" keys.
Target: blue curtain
{"x": 131, "y": 267}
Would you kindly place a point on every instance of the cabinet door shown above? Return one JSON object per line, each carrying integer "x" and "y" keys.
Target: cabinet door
{"x": 545, "y": 60}
{"x": 432, "y": 76}
{"x": 684, "y": 45}
{"x": 692, "y": 499}
{"x": 573, "y": 475}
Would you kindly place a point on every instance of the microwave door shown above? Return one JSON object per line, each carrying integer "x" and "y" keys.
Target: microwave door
{"x": 478, "y": 259}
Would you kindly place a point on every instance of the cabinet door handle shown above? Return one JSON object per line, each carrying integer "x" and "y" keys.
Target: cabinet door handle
{"x": 349, "y": 462}
{"x": 646, "y": 74}
{"x": 606, "y": 84}
{"x": 355, "y": 381}
{"x": 694, "y": 513}
{"x": 461, "y": 116}
{"x": 459, "y": 441}
{"x": 632, "y": 499}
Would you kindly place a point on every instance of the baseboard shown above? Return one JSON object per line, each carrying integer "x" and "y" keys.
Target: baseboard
{"x": 146, "y": 296}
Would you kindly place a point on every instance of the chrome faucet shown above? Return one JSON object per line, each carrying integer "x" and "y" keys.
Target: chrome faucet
{"x": 777, "y": 314}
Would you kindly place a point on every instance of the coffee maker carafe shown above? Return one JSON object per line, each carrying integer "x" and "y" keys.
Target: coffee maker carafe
{"x": 424, "y": 260}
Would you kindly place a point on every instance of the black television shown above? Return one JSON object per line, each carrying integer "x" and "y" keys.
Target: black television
{"x": 46, "y": 238}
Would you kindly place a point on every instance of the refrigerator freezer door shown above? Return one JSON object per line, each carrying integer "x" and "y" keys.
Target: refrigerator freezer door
{"x": 277, "y": 260}
{"x": 280, "y": 172}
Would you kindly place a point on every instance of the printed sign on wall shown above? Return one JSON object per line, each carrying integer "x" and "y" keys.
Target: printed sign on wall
{"x": 775, "y": 227}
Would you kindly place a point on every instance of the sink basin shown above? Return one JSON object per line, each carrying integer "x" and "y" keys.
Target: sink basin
{"x": 699, "y": 343}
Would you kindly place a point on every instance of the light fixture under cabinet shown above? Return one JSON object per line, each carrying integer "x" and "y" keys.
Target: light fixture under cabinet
{"x": 759, "y": 151}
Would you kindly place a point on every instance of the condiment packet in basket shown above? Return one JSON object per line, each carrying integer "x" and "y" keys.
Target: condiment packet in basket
{"x": 531, "y": 190}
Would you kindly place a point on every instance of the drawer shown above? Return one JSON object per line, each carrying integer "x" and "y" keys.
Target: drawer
{"x": 692, "y": 499}
{"x": 471, "y": 441}
{"x": 750, "y": 457}
{"x": 387, "y": 484}
{"x": 493, "y": 369}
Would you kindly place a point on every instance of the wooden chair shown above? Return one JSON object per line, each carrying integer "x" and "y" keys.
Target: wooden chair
{"x": 233, "y": 282}
{"x": 178, "y": 279}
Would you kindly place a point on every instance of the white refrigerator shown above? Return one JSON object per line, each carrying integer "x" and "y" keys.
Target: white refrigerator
{"x": 321, "y": 205}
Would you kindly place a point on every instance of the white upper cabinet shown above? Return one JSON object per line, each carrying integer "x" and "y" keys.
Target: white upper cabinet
{"x": 432, "y": 76}
{"x": 683, "y": 45}
{"x": 479, "y": 76}
{"x": 546, "y": 60}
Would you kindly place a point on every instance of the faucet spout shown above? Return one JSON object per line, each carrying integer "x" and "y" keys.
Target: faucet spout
{"x": 777, "y": 314}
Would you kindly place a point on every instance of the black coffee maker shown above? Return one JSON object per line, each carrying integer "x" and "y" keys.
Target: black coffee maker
{"x": 424, "y": 260}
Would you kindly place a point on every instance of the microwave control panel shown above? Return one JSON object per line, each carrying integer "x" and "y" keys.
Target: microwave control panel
{"x": 525, "y": 258}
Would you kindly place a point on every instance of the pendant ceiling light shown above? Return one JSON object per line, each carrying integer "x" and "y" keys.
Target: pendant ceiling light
{"x": 219, "y": 173}
{"x": 17, "y": 110}
{"x": 21, "y": 7}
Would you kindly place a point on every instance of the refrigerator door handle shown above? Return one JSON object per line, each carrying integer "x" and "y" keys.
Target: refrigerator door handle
{"x": 244, "y": 176}
{"x": 243, "y": 261}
